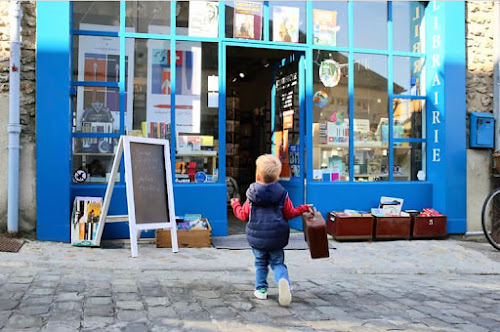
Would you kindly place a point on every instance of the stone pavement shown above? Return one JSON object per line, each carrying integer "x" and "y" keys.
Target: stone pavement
{"x": 400, "y": 285}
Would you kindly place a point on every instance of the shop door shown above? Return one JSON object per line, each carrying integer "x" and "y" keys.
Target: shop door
{"x": 287, "y": 125}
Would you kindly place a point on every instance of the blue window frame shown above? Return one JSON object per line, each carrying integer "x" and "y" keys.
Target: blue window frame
{"x": 393, "y": 50}
{"x": 442, "y": 53}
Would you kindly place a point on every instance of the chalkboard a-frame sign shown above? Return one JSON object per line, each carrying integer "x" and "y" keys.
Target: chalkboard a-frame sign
{"x": 150, "y": 197}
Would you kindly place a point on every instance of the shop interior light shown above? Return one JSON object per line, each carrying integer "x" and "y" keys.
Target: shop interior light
{"x": 242, "y": 75}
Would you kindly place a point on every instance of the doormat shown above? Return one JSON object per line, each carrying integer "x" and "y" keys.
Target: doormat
{"x": 239, "y": 242}
{"x": 8, "y": 244}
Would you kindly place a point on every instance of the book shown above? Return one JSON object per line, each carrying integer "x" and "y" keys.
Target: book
{"x": 247, "y": 20}
{"x": 204, "y": 19}
{"x": 286, "y": 24}
{"x": 325, "y": 27}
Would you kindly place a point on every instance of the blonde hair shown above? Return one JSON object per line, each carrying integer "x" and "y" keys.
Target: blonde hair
{"x": 268, "y": 167}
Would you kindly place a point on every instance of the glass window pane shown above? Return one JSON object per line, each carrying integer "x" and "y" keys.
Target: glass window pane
{"x": 409, "y": 117}
{"x": 370, "y": 24}
{"x": 330, "y": 117}
{"x": 244, "y": 19}
{"x": 409, "y": 76}
{"x": 287, "y": 21}
{"x": 409, "y": 159}
{"x": 330, "y": 23}
{"x": 96, "y": 59}
{"x": 371, "y": 120}
{"x": 94, "y": 158}
{"x": 150, "y": 99}
{"x": 198, "y": 18}
{"x": 96, "y": 110}
{"x": 197, "y": 110}
{"x": 408, "y": 30}
{"x": 148, "y": 16}
{"x": 92, "y": 15}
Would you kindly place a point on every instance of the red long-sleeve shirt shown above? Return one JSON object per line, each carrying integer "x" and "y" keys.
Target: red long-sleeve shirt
{"x": 289, "y": 212}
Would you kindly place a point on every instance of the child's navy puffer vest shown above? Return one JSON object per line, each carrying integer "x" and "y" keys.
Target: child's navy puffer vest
{"x": 267, "y": 229}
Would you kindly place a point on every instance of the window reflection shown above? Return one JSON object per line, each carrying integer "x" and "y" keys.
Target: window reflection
{"x": 408, "y": 29}
{"x": 371, "y": 119}
{"x": 409, "y": 76}
{"x": 370, "y": 24}
{"x": 409, "y": 159}
{"x": 408, "y": 118}
{"x": 148, "y": 16}
{"x": 196, "y": 112}
{"x": 87, "y": 14}
{"x": 330, "y": 23}
{"x": 330, "y": 117}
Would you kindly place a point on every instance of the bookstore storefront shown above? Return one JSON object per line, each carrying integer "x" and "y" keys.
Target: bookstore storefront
{"x": 359, "y": 99}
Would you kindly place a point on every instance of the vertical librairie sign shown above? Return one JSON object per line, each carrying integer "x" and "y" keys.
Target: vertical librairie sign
{"x": 150, "y": 198}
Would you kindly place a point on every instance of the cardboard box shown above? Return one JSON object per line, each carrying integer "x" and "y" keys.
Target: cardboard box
{"x": 186, "y": 238}
{"x": 344, "y": 227}
{"x": 428, "y": 227}
{"x": 392, "y": 228}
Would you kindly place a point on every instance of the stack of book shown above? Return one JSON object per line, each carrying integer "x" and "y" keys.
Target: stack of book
{"x": 85, "y": 220}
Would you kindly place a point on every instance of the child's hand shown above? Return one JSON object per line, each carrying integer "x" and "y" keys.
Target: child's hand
{"x": 234, "y": 200}
{"x": 310, "y": 208}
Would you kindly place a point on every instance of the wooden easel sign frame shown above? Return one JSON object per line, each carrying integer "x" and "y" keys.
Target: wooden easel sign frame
{"x": 150, "y": 197}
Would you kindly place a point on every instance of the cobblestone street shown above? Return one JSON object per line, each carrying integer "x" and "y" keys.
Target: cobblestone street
{"x": 401, "y": 285}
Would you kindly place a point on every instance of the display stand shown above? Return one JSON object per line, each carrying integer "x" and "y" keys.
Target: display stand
{"x": 150, "y": 196}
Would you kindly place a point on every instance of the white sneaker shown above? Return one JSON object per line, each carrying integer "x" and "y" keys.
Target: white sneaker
{"x": 261, "y": 294}
{"x": 285, "y": 296}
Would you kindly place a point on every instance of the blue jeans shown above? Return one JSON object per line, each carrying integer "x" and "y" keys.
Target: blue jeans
{"x": 274, "y": 258}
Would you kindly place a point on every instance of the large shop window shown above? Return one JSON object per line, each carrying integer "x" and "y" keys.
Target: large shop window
{"x": 368, "y": 81}
{"x": 330, "y": 116}
{"x": 196, "y": 112}
{"x": 387, "y": 88}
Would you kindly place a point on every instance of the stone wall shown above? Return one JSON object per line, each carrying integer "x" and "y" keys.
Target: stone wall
{"x": 479, "y": 35}
{"x": 27, "y": 194}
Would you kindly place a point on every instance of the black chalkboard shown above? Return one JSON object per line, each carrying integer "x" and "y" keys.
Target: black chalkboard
{"x": 149, "y": 183}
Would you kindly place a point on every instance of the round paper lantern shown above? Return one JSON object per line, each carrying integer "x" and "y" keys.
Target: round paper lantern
{"x": 320, "y": 99}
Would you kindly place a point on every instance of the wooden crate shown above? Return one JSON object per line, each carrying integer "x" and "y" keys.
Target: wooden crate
{"x": 392, "y": 228}
{"x": 428, "y": 227}
{"x": 186, "y": 238}
{"x": 345, "y": 228}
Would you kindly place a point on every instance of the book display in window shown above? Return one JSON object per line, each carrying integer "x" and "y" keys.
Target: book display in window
{"x": 247, "y": 20}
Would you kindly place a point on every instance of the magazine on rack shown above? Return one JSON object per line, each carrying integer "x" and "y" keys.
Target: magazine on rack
{"x": 247, "y": 20}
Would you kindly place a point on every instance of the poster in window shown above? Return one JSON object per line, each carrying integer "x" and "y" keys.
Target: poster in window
{"x": 281, "y": 152}
{"x": 325, "y": 27}
{"x": 286, "y": 24}
{"x": 99, "y": 61}
{"x": 188, "y": 84}
{"x": 204, "y": 18}
{"x": 294, "y": 154}
{"x": 247, "y": 20}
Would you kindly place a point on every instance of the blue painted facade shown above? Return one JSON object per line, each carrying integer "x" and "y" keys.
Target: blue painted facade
{"x": 445, "y": 185}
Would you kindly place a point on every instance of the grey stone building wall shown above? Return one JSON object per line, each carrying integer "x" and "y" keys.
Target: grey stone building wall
{"x": 27, "y": 190}
{"x": 479, "y": 36}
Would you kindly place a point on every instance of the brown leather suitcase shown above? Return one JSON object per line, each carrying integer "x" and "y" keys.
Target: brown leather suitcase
{"x": 315, "y": 234}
